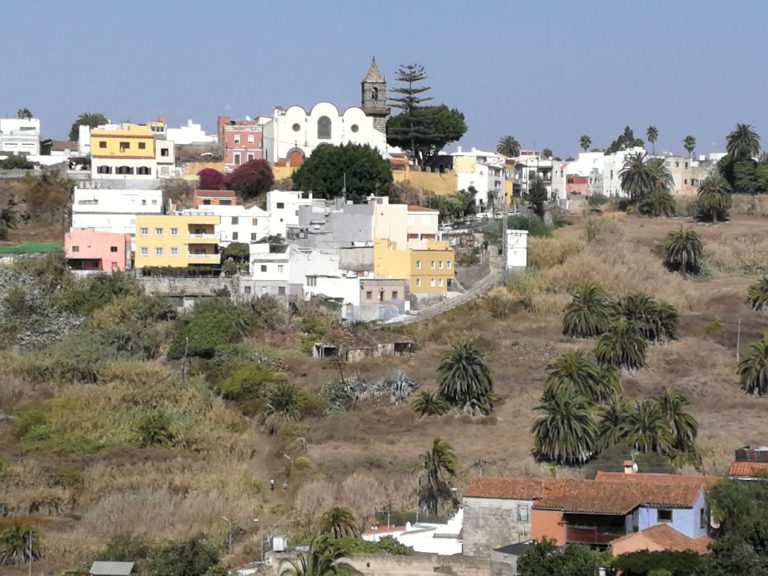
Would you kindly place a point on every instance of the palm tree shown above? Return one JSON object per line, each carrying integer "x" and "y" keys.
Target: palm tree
{"x": 14, "y": 544}
{"x": 585, "y": 142}
{"x": 610, "y": 422}
{"x": 689, "y": 143}
{"x": 757, "y": 295}
{"x": 547, "y": 153}
{"x": 86, "y": 119}
{"x": 657, "y": 203}
{"x": 508, "y": 146}
{"x": 435, "y": 468}
{"x": 684, "y": 427}
{"x": 429, "y": 403}
{"x": 652, "y": 133}
{"x": 622, "y": 346}
{"x": 24, "y": 114}
{"x": 743, "y": 143}
{"x": 565, "y": 433}
{"x": 465, "y": 379}
{"x": 637, "y": 176}
{"x": 714, "y": 199}
{"x": 338, "y": 522}
{"x": 656, "y": 321}
{"x": 574, "y": 374}
{"x": 753, "y": 370}
{"x": 324, "y": 558}
{"x": 589, "y": 313}
{"x": 646, "y": 428}
{"x": 662, "y": 174}
{"x": 684, "y": 251}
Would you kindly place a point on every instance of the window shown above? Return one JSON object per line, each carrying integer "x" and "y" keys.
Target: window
{"x": 144, "y": 251}
{"x": 685, "y": 181}
{"x": 235, "y": 220}
{"x": 225, "y": 202}
{"x": 449, "y": 264}
{"x": 174, "y": 231}
{"x": 237, "y": 138}
{"x": 174, "y": 251}
{"x": 522, "y": 513}
{"x": 158, "y": 231}
{"x": 432, "y": 265}
{"x": 355, "y": 128}
{"x": 279, "y": 267}
{"x": 432, "y": 282}
{"x": 158, "y": 251}
{"x": 250, "y": 138}
{"x": 440, "y": 282}
{"x": 702, "y": 518}
{"x": 686, "y": 164}
{"x": 142, "y": 145}
{"x": 441, "y": 264}
{"x": 75, "y": 248}
{"x": 281, "y": 290}
{"x": 113, "y": 248}
{"x": 263, "y": 267}
{"x": 236, "y": 160}
{"x": 324, "y": 128}
{"x": 247, "y": 289}
{"x": 144, "y": 231}
{"x": 250, "y": 157}
{"x": 368, "y": 295}
{"x": 296, "y": 127}
{"x": 664, "y": 516}
{"x": 253, "y": 237}
{"x": 104, "y": 170}
{"x": 311, "y": 280}
{"x": 143, "y": 171}
{"x": 395, "y": 294}
{"x": 206, "y": 202}
{"x": 374, "y": 93}
{"x": 143, "y": 202}
{"x": 418, "y": 282}
{"x": 165, "y": 152}
{"x": 280, "y": 205}
{"x": 102, "y": 144}
{"x": 125, "y": 146}
{"x": 235, "y": 236}
{"x": 418, "y": 264}
{"x": 254, "y": 221}
{"x": 677, "y": 164}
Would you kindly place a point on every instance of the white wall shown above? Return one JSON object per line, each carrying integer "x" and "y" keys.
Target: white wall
{"x": 20, "y": 136}
{"x": 283, "y": 208}
{"x": 192, "y": 133}
{"x": 276, "y": 264}
{"x": 517, "y": 248}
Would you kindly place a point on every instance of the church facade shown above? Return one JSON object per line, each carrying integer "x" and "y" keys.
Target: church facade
{"x": 291, "y": 135}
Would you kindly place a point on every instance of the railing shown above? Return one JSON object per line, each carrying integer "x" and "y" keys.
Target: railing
{"x": 207, "y": 236}
{"x": 589, "y": 535}
{"x": 205, "y": 256}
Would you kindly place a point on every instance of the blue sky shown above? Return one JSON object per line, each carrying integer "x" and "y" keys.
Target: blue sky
{"x": 545, "y": 72}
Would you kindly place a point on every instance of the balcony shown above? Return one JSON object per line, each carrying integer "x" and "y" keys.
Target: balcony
{"x": 203, "y": 238}
{"x": 204, "y": 258}
{"x": 591, "y": 535}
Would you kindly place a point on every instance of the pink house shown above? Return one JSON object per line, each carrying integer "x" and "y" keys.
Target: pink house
{"x": 87, "y": 249}
{"x": 241, "y": 141}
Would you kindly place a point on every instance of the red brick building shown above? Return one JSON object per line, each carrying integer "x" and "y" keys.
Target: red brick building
{"x": 241, "y": 141}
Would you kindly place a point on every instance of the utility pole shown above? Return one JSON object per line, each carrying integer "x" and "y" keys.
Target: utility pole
{"x": 738, "y": 341}
{"x": 184, "y": 360}
{"x": 505, "y": 247}
{"x": 229, "y": 533}
{"x": 29, "y": 549}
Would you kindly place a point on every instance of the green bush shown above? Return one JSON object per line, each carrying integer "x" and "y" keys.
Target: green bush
{"x": 642, "y": 562}
{"x": 533, "y": 224}
{"x": 154, "y": 429}
{"x": 86, "y": 295}
{"x": 27, "y": 421}
{"x": 597, "y": 200}
{"x": 211, "y": 324}
{"x": 192, "y": 557}
{"x": 387, "y": 545}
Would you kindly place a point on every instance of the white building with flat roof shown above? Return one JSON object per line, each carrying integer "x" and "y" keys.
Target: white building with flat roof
{"x": 20, "y": 136}
{"x": 237, "y": 223}
{"x": 191, "y": 133}
{"x": 283, "y": 207}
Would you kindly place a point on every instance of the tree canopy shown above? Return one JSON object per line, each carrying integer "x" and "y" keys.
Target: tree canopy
{"x": 330, "y": 167}
{"x": 433, "y": 128}
{"x": 91, "y": 119}
{"x": 624, "y": 141}
{"x": 252, "y": 179}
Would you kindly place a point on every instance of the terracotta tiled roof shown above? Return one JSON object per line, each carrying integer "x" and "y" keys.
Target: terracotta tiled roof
{"x": 748, "y": 469}
{"x": 505, "y": 488}
{"x": 416, "y": 208}
{"x": 215, "y": 193}
{"x": 666, "y": 538}
{"x": 647, "y": 478}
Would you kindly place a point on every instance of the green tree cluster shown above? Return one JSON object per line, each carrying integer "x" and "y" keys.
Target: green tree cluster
{"x": 649, "y": 183}
{"x": 330, "y": 170}
{"x": 545, "y": 558}
{"x": 741, "y": 167}
{"x": 624, "y": 141}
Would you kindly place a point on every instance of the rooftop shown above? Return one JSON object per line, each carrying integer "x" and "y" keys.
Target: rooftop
{"x": 748, "y": 469}
{"x": 215, "y": 193}
{"x": 101, "y": 568}
{"x": 373, "y": 74}
{"x": 667, "y": 538}
{"x": 416, "y": 208}
{"x": 650, "y": 478}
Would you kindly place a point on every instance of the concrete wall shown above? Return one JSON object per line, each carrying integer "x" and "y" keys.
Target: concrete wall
{"x": 441, "y": 184}
{"x": 548, "y": 523}
{"x": 176, "y": 286}
{"x": 490, "y": 523}
{"x": 421, "y": 565}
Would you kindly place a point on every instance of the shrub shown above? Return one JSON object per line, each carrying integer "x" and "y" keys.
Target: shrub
{"x": 209, "y": 325}
{"x": 501, "y": 304}
{"x": 87, "y": 295}
{"x": 644, "y": 561}
{"x": 429, "y": 403}
{"x": 597, "y": 200}
{"x": 192, "y": 557}
{"x": 386, "y": 545}
{"x": 248, "y": 382}
{"x": 544, "y": 253}
{"x": 533, "y": 224}
{"x": 154, "y": 429}
{"x": 601, "y": 229}
{"x": 27, "y": 421}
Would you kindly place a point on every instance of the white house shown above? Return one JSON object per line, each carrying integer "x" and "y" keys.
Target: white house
{"x": 191, "y": 133}
{"x": 20, "y": 136}
{"x": 113, "y": 210}
{"x": 424, "y": 537}
{"x": 484, "y": 171}
{"x": 269, "y": 270}
{"x": 237, "y": 223}
{"x": 283, "y": 208}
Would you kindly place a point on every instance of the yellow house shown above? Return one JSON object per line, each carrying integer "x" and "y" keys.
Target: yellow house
{"x": 429, "y": 267}
{"x": 123, "y": 151}
{"x": 176, "y": 240}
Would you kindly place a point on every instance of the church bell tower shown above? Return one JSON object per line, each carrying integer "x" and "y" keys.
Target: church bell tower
{"x": 374, "y": 96}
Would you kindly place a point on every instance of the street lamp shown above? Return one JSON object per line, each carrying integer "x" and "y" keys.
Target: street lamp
{"x": 229, "y": 533}
{"x": 290, "y": 460}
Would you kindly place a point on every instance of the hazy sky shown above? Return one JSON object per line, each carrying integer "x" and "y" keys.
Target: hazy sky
{"x": 545, "y": 72}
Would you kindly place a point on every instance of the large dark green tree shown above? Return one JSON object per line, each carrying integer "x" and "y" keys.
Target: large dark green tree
{"x": 656, "y": 321}
{"x": 422, "y": 130}
{"x": 465, "y": 379}
{"x": 684, "y": 427}
{"x": 624, "y": 141}
{"x": 338, "y": 522}
{"x": 743, "y": 143}
{"x": 330, "y": 168}
{"x": 689, "y": 143}
{"x": 91, "y": 119}
{"x": 192, "y": 557}
{"x": 436, "y": 469}
{"x": 565, "y": 432}
{"x": 536, "y": 196}
{"x": 545, "y": 558}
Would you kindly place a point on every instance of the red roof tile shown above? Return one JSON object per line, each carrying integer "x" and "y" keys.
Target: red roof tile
{"x": 505, "y": 488}
{"x": 416, "y": 208}
{"x": 748, "y": 469}
{"x": 649, "y": 478}
{"x": 667, "y": 538}
{"x": 215, "y": 193}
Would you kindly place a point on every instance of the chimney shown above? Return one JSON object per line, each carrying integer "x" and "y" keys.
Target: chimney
{"x": 630, "y": 467}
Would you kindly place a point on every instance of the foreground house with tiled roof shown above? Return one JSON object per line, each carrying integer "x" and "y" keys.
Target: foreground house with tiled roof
{"x": 751, "y": 463}
{"x": 502, "y": 511}
{"x": 657, "y": 538}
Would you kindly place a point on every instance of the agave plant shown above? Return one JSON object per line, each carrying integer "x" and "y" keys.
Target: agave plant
{"x": 589, "y": 313}
{"x": 757, "y": 295}
{"x": 622, "y": 346}
{"x": 398, "y": 387}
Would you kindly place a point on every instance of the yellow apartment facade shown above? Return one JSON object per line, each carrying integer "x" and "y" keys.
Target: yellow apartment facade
{"x": 429, "y": 266}
{"x": 176, "y": 240}
{"x": 126, "y": 150}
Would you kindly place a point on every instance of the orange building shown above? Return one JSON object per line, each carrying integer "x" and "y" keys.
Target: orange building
{"x": 202, "y": 198}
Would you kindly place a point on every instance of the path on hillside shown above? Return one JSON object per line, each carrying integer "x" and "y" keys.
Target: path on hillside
{"x": 478, "y": 289}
